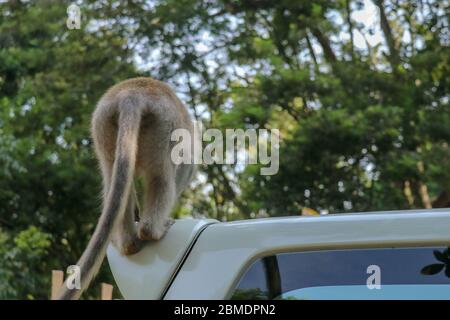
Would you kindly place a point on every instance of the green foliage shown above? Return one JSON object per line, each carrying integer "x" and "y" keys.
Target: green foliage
{"x": 33, "y": 242}
{"x": 249, "y": 294}
{"x": 50, "y": 80}
{"x": 20, "y": 259}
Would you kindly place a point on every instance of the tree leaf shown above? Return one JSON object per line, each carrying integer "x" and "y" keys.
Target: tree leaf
{"x": 447, "y": 271}
{"x": 440, "y": 256}
{"x": 432, "y": 269}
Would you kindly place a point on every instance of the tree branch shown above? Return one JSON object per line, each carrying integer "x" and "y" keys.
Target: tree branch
{"x": 312, "y": 53}
{"x": 394, "y": 57}
{"x": 325, "y": 44}
{"x": 350, "y": 26}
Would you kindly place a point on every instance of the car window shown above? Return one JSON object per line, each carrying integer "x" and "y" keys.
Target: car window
{"x": 385, "y": 273}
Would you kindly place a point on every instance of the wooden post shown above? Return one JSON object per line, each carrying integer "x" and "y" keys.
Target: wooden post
{"x": 107, "y": 290}
{"x": 57, "y": 282}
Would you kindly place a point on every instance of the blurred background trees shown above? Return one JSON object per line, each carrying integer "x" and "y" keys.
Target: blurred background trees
{"x": 358, "y": 89}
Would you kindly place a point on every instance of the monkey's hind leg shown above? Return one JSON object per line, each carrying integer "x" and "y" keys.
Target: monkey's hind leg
{"x": 127, "y": 240}
{"x": 159, "y": 198}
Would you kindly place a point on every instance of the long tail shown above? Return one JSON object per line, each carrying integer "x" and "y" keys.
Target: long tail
{"x": 116, "y": 199}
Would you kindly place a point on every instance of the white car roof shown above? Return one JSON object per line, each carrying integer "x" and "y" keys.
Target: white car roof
{"x": 224, "y": 250}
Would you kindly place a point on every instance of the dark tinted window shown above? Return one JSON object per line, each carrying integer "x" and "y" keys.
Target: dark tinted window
{"x": 398, "y": 273}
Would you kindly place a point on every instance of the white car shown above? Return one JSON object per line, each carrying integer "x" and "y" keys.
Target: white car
{"x": 379, "y": 255}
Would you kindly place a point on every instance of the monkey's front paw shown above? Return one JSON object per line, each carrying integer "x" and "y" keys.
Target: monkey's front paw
{"x": 151, "y": 230}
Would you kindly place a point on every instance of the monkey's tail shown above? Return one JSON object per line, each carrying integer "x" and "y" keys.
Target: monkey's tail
{"x": 116, "y": 199}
